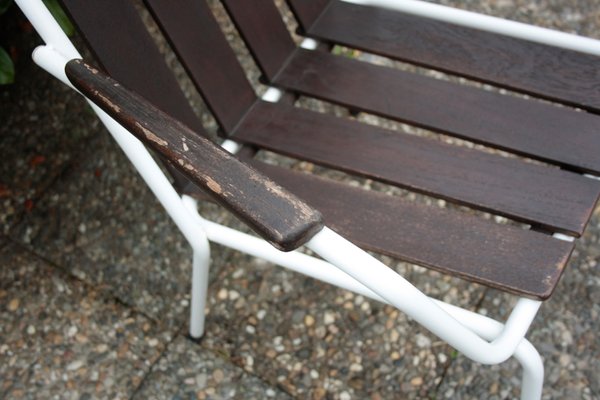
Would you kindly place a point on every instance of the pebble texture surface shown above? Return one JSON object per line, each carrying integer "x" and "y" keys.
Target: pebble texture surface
{"x": 94, "y": 279}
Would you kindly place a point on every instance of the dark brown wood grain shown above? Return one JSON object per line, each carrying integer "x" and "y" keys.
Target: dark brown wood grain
{"x": 543, "y": 196}
{"x": 204, "y": 52}
{"x": 500, "y": 256}
{"x": 264, "y": 32}
{"x": 307, "y": 11}
{"x": 537, "y": 130}
{"x": 121, "y": 44}
{"x": 275, "y": 214}
{"x": 561, "y": 75}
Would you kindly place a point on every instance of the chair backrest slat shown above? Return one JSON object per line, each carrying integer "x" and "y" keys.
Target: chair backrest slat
{"x": 264, "y": 32}
{"x": 122, "y": 45}
{"x": 307, "y": 11}
{"x": 204, "y": 52}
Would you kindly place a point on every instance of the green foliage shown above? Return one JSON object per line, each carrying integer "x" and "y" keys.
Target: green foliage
{"x": 7, "y": 68}
{"x": 344, "y": 51}
{"x": 4, "y": 4}
{"x": 60, "y": 16}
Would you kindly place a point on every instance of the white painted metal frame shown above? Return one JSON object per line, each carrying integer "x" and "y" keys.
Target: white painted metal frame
{"x": 489, "y": 23}
{"x": 480, "y": 338}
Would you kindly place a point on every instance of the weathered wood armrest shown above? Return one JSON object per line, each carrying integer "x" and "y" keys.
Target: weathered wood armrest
{"x": 277, "y": 215}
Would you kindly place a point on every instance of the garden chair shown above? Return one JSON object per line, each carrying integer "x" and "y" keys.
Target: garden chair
{"x": 552, "y": 198}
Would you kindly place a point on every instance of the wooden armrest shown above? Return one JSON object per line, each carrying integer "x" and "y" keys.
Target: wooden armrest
{"x": 277, "y": 215}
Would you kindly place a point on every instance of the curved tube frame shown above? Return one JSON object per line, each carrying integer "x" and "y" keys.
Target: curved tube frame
{"x": 397, "y": 291}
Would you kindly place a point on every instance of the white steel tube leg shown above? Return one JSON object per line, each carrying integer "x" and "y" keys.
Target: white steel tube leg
{"x": 533, "y": 371}
{"x": 200, "y": 268}
{"x": 489, "y": 329}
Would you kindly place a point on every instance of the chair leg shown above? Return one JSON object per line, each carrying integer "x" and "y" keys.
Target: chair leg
{"x": 533, "y": 371}
{"x": 200, "y": 267}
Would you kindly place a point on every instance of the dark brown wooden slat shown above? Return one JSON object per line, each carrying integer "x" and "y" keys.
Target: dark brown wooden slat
{"x": 542, "y": 131}
{"x": 204, "y": 52}
{"x": 553, "y": 73}
{"x": 264, "y": 32}
{"x": 504, "y": 257}
{"x": 121, "y": 44}
{"x": 277, "y": 215}
{"x": 307, "y": 11}
{"x": 543, "y": 196}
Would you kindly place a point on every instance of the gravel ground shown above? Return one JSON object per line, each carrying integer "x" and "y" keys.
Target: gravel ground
{"x": 60, "y": 335}
{"x": 95, "y": 279}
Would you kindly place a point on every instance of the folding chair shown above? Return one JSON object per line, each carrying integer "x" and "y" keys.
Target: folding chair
{"x": 139, "y": 101}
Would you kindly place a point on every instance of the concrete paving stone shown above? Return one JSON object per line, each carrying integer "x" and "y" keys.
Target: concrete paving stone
{"x": 33, "y": 109}
{"x": 102, "y": 224}
{"x": 188, "y": 371}
{"x": 316, "y": 341}
{"x": 60, "y": 338}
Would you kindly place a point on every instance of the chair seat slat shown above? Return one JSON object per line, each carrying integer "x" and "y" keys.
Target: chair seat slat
{"x": 504, "y": 257}
{"x": 540, "y": 195}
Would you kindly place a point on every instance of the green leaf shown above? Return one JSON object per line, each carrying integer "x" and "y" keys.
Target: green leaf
{"x": 4, "y": 4}
{"x": 343, "y": 51}
{"x": 7, "y": 68}
{"x": 60, "y": 16}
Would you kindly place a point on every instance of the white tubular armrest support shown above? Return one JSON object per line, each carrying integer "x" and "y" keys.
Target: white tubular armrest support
{"x": 54, "y": 62}
{"x": 488, "y": 23}
{"x": 45, "y": 25}
{"x": 398, "y": 292}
